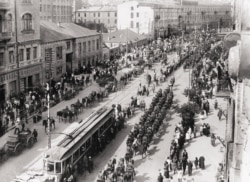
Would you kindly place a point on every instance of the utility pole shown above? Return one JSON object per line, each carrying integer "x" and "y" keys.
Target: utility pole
{"x": 16, "y": 48}
{"x": 48, "y": 124}
{"x": 127, "y": 41}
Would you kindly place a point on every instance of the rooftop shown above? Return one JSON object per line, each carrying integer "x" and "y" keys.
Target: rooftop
{"x": 51, "y": 32}
{"x": 98, "y": 8}
{"x": 121, "y": 36}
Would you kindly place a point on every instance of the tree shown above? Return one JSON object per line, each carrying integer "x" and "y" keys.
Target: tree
{"x": 188, "y": 110}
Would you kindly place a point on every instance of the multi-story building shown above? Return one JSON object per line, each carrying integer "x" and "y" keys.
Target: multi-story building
{"x": 106, "y": 15}
{"x": 158, "y": 19}
{"x": 238, "y": 146}
{"x": 66, "y": 47}
{"x": 205, "y": 16}
{"x": 20, "y": 60}
{"x": 145, "y": 18}
{"x": 56, "y": 10}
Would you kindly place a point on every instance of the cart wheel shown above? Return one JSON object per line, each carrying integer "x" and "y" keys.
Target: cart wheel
{"x": 18, "y": 149}
{"x": 30, "y": 142}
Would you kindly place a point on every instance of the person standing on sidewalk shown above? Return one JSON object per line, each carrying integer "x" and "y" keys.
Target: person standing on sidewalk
{"x": 196, "y": 162}
{"x": 184, "y": 165}
{"x": 90, "y": 164}
{"x": 17, "y": 126}
{"x": 160, "y": 178}
{"x": 190, "y": 168}
{"x": 35, "y": 134}
{"x": 219, "y": 113}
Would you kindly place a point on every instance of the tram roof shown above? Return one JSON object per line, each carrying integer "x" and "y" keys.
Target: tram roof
{"x": 78, "y": 134}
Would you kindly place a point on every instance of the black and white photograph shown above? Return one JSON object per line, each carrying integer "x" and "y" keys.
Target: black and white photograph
{"x": 124, "y": 90}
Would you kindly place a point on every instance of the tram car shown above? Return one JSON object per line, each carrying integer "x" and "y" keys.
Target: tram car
{"x": 80, "y": 142}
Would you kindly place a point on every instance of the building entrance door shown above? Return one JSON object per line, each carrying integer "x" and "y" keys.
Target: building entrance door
{"x": 2, "y": 94}
{"x": 69, "y": 58}
{"x": 30, "y": 83}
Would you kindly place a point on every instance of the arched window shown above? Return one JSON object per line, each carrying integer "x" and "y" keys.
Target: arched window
{"x": 9, "y": 21}
{"x": 27, "y": 21}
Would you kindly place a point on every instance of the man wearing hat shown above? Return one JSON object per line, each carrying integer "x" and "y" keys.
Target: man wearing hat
{"x": 90, "y": 164}
{"x": 17, "y": 126}
{"x": 160, "y": 178}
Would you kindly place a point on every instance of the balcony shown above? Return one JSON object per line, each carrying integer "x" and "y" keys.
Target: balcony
{"x": 4, "y": 5}
{"x": 6, "y": 36}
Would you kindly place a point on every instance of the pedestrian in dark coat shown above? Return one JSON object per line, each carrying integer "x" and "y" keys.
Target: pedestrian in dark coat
{"x": 219, "y": 113}
{"x": 185, "y": 154}
{"x": 202, "y": 162}
{"x": 166, "y": 173}
{"x": 160, "y": 178}
{"x": 90, "y": 164}
{"x": 35, "y": 134}
{"x": 184, "y": 165}
{"x": 190, "y": 168}
{"x": 196, "y": 162}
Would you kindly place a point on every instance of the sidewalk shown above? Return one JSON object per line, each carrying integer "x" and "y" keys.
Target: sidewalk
{"x": 201, "y": 146}
{"x": 53, "y": 110}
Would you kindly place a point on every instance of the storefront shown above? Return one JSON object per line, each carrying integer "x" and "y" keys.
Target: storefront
{"x": 30, "y": 77}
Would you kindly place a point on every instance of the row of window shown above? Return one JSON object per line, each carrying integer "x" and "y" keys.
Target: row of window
{"x": 26, "y": 1}
{"x": 132, "y": 24}
{"x": 94, "y": 46}
{"x": 26, "y": 22}
{"x": 56, "y": 9}
{"x": 103, "y": 21}
{"x": 57, "y": 18}
{"x": 132, "y": 15}
{"x": 98, "y": 14}
{"x": 21, "y": 52}
{"x": 206, "y": 9}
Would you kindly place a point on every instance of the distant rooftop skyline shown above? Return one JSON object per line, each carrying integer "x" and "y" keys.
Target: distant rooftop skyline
{"x": 108, "y": 2}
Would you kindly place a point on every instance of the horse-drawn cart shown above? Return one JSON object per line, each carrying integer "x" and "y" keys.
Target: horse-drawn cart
{"x": 16, "y": 143}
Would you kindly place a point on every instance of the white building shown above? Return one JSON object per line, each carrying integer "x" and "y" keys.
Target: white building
{"x": 137, "y": 18}
{"x": 161, "y": 19}
{"x": 106, "y": 15}
{"x": 145, "y": 18}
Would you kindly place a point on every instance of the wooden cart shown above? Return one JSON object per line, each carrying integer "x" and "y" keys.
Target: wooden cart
{"x": 16, "y": 143}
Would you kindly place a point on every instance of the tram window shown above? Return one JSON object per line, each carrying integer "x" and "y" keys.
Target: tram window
{"x": 88, "y": 143}
{"x": 58, "y": 167}
{"x": 68, "y": 161}
{"x": 82, "y": 149}
{"x": 50, "y": 166}
{"x": 76, "y": 155}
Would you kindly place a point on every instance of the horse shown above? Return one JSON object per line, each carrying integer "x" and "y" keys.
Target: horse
{"x": 59, "y": 114}
{"x": 45, "y": 124}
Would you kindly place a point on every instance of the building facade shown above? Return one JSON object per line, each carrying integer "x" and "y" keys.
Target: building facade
{"x": 106, "y": 15}
{"x": 238, "y": 147}
{"x": 159, "y": 20}
{"x": 56, "y": 10}
{"x": 20, "y": 57}
{"x": 66, "y": 47}
{"x": 205, "y": 16}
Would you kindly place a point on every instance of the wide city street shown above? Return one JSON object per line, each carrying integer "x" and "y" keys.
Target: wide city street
{"x": 31, "y": 159}
{"x": 124, "y": 90}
